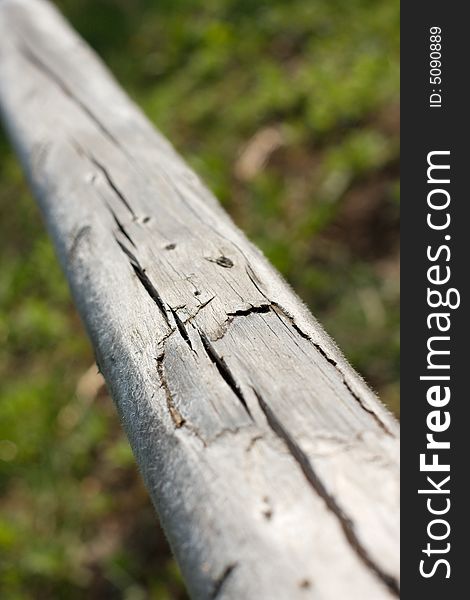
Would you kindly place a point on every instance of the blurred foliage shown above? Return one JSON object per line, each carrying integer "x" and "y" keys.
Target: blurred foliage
{"x": 289, "y": 111}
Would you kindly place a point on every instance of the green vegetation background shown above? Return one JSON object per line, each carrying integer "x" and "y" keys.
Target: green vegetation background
{"x": 289, "y": 111}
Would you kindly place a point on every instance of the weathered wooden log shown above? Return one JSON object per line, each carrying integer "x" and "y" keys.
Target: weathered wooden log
{"x": 273, "y": 467}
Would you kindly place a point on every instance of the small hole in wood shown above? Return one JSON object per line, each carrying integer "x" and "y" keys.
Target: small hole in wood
{"x": 170, "y": 246}
{"x": 305, "y": 584}
{"x": 223, "y": 261}
{"x": 145, "y": 219}
{"x": 267, "y": 511}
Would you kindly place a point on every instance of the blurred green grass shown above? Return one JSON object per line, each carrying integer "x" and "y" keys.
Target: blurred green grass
{"x": 289, "y": 112}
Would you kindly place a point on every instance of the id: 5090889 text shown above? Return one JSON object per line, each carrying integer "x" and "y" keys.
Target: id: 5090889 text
{"x": 435, "y": 64}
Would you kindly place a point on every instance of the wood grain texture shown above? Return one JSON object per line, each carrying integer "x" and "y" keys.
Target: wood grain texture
{"x": 272, "y": 466}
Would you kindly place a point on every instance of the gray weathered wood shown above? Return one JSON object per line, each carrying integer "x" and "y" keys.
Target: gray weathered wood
{"x": 272, "y": 466}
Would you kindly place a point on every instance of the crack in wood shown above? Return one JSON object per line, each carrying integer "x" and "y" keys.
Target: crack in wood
{"x": 145, "y": 281}
{"x": 231, "y": 431}
{"x": 334, "y": 363}
{"x": 262, "y": 308}
{"x": 222, "y": 261}
{"x": 224, "y": 371}
{"x": 37, "y": 62}
{"x": 81, "y": 234}
{"x": 312, "y": 477}
{"x": 111, "y": 183}
{"x": 244, "y": 312}
{"x": 120, "y": 226}
{"x": 201, "y": 306}
{"x": 358, "y": 399}
{"x": 175, "y": 414}
{"x": 181, "y": 328}
{"x": 221, "y": 580}
{"x": 254, "y": 440}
